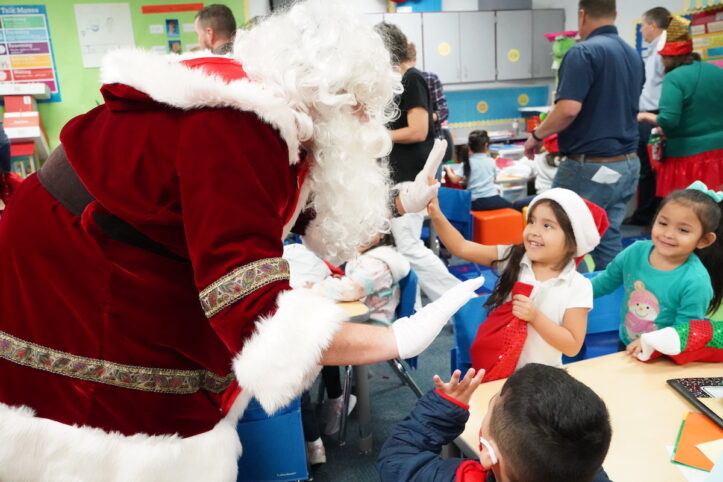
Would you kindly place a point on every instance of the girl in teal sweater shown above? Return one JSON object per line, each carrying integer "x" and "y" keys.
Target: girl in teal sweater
{"x": 677, "y": 275}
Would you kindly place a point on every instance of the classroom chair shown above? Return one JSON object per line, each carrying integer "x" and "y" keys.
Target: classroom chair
{"x": 465, "y": 323}
{"x": 455, "y": 204}
{"x": 273, "y": 446}
{"x": 408, "y": 296}
{"x": 603, "y": 323}
{"x": 499, "y": 226}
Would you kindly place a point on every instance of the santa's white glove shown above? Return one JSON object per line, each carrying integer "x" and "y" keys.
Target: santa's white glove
{"x": 417, "y": 332}
{"x": 415, "y": 196}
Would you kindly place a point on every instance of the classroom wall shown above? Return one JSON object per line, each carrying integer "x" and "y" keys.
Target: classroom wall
{"x": 629, "y": 12}
{"x": 78, "y": 85}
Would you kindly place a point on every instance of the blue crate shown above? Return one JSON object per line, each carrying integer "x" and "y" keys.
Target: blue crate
{"x": 273, "y": 446}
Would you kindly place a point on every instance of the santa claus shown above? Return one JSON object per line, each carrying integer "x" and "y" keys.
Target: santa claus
{"x": 144, "y": 299}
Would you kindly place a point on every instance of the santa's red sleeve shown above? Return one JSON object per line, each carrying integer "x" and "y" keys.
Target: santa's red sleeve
{"x": 237, "y": 192}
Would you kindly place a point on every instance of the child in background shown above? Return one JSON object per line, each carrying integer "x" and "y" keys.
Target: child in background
{"x": 372, "y": 278}
{"x": 666, "y": 284}
{"x": 543, "y": 425}
{"x": 544, "y": 167}
{"x": 560, "y": 227}
{"x": 479, "y": 174}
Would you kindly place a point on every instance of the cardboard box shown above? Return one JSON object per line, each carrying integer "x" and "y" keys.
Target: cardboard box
{"x": 20, "y": 103}
{"x": 23, "y": 159}
{"x": 23, "y": 127}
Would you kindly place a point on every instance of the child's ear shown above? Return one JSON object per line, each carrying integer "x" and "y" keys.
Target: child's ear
{"x": 706, "y": 240}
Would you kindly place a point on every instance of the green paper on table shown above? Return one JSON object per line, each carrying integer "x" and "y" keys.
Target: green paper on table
{"x": 696, "y": 429}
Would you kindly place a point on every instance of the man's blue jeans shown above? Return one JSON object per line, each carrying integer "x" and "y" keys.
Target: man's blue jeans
{"x": 611, "y": 196}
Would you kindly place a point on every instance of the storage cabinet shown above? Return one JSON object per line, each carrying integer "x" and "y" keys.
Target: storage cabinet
{"x": 459, "y": 46}
{"x": 544, "y": 21}
{"x": 514, "y": 44}
{"x": 481, "y": 46}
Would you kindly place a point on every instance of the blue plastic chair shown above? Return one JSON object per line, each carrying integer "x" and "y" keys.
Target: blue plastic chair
{"x": 273, "y": 446}
{"x": 603, "y": 324}
{"x": 407, "y": 300}
{"x": 456, "y": 205}
{"x": 466, "y": 322}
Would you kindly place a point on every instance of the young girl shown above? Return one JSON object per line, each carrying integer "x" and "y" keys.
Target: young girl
{"x": 666, "y": 283}
{"x": 372, "y": 278}
{"x": 560, "y": 227}
{"x": 479, "y": 174}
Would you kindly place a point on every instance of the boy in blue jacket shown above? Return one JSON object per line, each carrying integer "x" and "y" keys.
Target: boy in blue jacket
{"x": 542, "y": 426}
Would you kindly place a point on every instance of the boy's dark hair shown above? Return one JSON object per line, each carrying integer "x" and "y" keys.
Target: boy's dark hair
{"x": 709, "y": 214}
{"x": 660, "y": 16}
{"x": 511, "y": 273}
{"x": 394, "y": 40}
{"x": 219, "y": 18}
{"x": 476, "y": 142}
{"x": 550, "y": 427}
{"x": 598, "y": 8}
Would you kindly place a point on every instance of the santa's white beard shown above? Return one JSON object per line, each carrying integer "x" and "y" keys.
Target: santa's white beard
{"x": 350, "y": 186}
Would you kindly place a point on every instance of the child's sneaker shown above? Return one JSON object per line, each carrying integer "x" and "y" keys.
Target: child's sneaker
{"x": 333, "y": 413}
{"x": 315, "y": 452}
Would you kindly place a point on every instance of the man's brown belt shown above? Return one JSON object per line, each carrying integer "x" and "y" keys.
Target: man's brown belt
{"x": 586, "y": 158}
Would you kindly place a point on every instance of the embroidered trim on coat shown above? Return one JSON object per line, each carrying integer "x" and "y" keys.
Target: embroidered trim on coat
{"x": 241, "y": 282}
{"x": 159, "y": 380}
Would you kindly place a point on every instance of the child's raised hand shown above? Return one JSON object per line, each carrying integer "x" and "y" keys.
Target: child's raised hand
{"x": 524, "y": 309}
{"x": 634, "y": 348}
{"x": 460, "y": 390}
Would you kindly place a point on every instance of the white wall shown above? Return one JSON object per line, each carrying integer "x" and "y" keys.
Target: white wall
{"x": 261, "y": 7}
{"x": 628, "y": 12}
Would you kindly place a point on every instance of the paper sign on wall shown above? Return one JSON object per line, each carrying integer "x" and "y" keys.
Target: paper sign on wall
{"x": 102, "y": 27}
{"x": 156, "y": 28}
{"x": 26, "y": 51}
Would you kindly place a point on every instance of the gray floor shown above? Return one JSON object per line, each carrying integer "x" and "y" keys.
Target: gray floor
{"x": 390, "y": 403}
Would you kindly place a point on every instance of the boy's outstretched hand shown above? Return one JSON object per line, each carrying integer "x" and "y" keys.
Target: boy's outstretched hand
{"x": 460, "y": 390}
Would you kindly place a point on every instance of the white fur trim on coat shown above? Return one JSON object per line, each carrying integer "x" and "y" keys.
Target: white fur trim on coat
{"x": 39, "y": 450}
{"x": 166, "y": 80}
{"x": 666, "y": 341}
{"x": 282, "y": 358}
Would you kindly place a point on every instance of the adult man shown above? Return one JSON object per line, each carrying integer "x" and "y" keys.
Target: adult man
{"x": 655, "y": 21}
{"x": 413, "y": 136}
{"x": 600, "y": 81}
{"x": 215, "y": 27}
{"x": 165, "y": 302}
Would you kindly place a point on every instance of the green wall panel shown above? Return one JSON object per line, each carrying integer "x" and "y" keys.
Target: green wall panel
{"x": 80, "y": 86}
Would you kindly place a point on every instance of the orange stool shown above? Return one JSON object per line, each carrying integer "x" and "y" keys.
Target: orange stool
{"x": 499, "y": 226}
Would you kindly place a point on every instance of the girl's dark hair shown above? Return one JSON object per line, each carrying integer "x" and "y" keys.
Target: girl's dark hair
{"x": 477, "y": 142}
{"x": 511, "y": 273}
{"x": 709, "y": 214}
{"x": 675, "y": 61}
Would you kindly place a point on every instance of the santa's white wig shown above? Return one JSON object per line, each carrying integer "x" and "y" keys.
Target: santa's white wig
{"x": 336, "y": 74}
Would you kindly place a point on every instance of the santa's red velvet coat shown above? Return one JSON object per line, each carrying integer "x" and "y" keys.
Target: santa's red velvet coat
{"x": 112, "y": 345}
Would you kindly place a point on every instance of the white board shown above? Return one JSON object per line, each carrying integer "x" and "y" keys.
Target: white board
{"x": 102, "y": 27}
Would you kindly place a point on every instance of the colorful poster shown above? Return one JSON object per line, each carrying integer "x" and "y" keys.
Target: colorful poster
{"x": 102, "y": 27}
{"x": 26, "y": 50}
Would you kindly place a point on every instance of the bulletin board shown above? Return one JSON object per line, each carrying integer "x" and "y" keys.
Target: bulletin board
{"x": 707, "y": 31}
{"x": 26, "y": 48}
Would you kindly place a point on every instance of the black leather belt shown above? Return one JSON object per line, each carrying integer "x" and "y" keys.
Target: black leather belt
{"x": 59, "y": 178}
